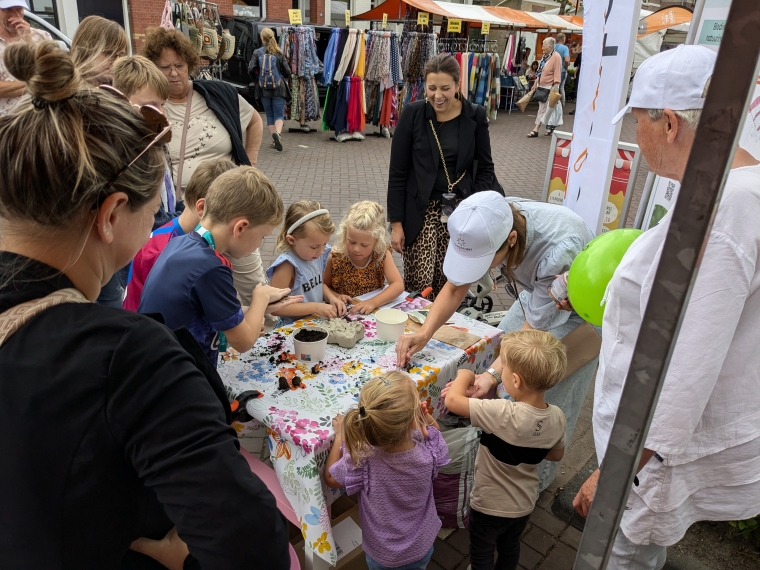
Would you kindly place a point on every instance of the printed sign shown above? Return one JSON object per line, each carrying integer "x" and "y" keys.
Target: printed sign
{"x": 295, "y": 17}
{"x": 423, "y": 18}
{"x": 348, "y": 18}
{"x": 455, "y": 26}
{"x": 385, "y": 20}
{"x": 485, "y": 28}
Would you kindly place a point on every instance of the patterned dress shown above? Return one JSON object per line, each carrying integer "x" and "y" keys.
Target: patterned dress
{"x": 348, "y": 279}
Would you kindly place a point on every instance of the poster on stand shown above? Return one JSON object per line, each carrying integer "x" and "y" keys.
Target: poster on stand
{"x": 624, "y": 172}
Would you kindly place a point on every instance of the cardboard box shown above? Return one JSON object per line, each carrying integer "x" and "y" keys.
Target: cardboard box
{"x": 347, "y": 534}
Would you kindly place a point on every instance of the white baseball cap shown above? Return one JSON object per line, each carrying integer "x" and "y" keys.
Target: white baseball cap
{"x": 5, "y": 4}
{"x": 674, "y": 79}
{"x": 478, "y": 228}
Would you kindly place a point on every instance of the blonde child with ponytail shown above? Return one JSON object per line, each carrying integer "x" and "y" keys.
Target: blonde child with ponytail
{"x": 388, "y": 450}
{"x": 361, "y": 259}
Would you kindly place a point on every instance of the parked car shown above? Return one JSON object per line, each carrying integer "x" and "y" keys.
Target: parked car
{"x": 58, "y": 36}
{"x": 246, "y": 30}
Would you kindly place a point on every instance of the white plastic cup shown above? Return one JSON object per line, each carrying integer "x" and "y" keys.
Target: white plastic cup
{"x": 309, "y": 351}
{"x": 390, "y": 324}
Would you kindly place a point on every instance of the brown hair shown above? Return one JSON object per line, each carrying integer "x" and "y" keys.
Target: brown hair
{"x": 536, "y": 356}
{"x": 516, "y": 253}
{"x": 243, "y": 192}
{"x": 444, "y": 63}
{"x": 368, "y": 218}
{"x": 62, "y": 146}
{"x": 296, "y": 211}
{"x": 97, "y": 36}
{"x": 159, "y": 39}
{"x": 134, "y": 72}
{"x": 267, "y": 37}
{"x": 204, "y": 176}
{"x": 387, "y": 412}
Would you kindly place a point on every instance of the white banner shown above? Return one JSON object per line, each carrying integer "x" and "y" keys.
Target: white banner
{"x": 609, "y": 33}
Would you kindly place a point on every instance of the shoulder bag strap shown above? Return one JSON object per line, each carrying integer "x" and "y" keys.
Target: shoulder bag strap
{"x": 183, "y": 142}
{"x": 16, "y": 317}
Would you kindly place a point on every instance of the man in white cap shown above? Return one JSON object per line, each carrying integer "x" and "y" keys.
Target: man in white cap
{"x": 702, "y": 455}
{"x": 14, "y": 28}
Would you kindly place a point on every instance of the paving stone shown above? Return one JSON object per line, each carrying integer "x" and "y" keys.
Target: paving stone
{"x": 545, "y": 500}
{"x": 548, "y": 522}
{"x": 464, "y": 564}
{"x": 572, "y": 537}
{"x": 529, "y": 558}
{"x": 539, "y": 540}
{"x": 446, "y": 556}
{"x": 460, "y": 540}
{"x": 562, "y": 557}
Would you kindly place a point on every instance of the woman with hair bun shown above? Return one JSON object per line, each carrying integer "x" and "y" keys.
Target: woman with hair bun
{"x": 136, "y": 446}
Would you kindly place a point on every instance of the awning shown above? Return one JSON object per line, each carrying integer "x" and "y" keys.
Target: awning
{"x": 662, "y": 20}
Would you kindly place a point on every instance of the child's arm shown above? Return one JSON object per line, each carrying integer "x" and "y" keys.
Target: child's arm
{"x": 429, "y": 420}
{"x": 555, "y": 454}
{"x": 456, "y": 398}
{"x": 284, "y": 276}
{"x": 394, "y": 289}
{"x": 327, "y": 280}
{"x": 244, "y": 335}
{"x": 335, "y": 452}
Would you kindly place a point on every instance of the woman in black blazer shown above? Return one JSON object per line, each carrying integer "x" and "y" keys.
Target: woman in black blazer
{"x": 422, "y": 188}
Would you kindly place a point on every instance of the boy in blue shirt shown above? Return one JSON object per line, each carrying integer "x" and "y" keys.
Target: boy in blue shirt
{"x": 191, "y": 282}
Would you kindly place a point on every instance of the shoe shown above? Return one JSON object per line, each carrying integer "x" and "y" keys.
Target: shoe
{"x": 572, "y": 112}
{"x": 305, "y": 129}
{"x": 343, "y": 137}
{"x": 533, "y": 134}
{"x": 548, "y": 133}
{"x": 277, "y": 141}
{"x": 271, "y": 145}
{"x": 385, "y": 132}
{"x": 358, "y": 136}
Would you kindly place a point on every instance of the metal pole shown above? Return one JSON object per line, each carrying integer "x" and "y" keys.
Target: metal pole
{"x": 702, "y": 185}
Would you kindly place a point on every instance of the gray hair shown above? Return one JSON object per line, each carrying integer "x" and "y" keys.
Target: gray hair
{"x": 688, "y": 116}
{"x": 550, "y": 41}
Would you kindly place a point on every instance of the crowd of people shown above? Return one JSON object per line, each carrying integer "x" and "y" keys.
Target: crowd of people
{"x": 111, "y": 161}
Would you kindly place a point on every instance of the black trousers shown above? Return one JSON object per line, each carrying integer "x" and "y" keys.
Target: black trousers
{"x": 488, "y": 534}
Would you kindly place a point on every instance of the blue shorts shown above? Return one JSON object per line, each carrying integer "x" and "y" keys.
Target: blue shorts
{"x": 274, "y": 108}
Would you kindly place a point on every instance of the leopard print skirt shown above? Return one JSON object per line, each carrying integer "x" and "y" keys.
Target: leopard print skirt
{"x": 423, "y": 259}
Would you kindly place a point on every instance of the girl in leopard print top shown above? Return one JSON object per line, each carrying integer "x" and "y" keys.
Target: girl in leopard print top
{"x": 361, "y": 260}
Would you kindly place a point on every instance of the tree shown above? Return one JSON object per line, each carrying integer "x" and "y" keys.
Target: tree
{"x": 568, "y": 6}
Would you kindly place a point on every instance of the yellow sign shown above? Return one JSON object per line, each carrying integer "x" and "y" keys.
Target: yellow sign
{"x": 455, "y": 26}
{"x": 385, "y": 20}
{"x": 485, "y": 28}
{"x": 423, "y": 18}
{"x": 295, "y": 17}
{"x": 348, "y": 18}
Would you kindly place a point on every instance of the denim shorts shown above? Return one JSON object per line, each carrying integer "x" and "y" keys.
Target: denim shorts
{"x": 274, "y": 108}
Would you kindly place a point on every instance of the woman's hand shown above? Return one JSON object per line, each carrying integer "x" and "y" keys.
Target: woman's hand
{"x": 170, "y": 551}
{"x": 397, "y": 237}
{"x": 284, "y": 302}
{"x": 408, "y": 345}
{"x": 582, "y": 501}
{"x": 363, "y": 308}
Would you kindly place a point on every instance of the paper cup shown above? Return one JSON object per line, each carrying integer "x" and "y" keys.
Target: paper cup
{"x": 390, "y": 324}
{"x": 310, "y": 351}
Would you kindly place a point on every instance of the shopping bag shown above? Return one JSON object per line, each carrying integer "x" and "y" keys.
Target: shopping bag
{"x": 523, "y": 102}
{"x": 166, "y": 16}
{"x": 553, "y": 117}
{"x": 228, "y": 45}
{"x": 210, "y": 37}
{"x": 452, "y": 487}
{"x": 554, "y": 98}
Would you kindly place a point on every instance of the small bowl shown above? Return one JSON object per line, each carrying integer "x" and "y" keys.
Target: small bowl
{"x": 310, "y": 351}
{"x": 390, "y": 324}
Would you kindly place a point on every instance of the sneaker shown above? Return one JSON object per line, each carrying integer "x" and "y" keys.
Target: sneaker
{"x": 305, "y": 129}
{"x": 385, "y": 132}
{"x": 357, "y": 136}
{"x": 277, "y": 141}
{"x": 343, "y": 137}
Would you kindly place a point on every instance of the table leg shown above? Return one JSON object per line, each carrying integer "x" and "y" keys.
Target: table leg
{"x": 312, "y": 560}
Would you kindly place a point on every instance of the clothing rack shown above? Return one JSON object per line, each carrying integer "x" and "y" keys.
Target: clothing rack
{"x": 344, "y": 70}
{"x": 383, "y": 75}
{"x": 212, "y": 71}
{"x": 299, "y": 47}
{"x": 483, "y": 46}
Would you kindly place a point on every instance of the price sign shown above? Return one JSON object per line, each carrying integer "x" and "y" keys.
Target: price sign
{"x": 295, "y": 17}
{"x": 385, "y": 20}
{"x": 348, "y": 18}
{"x": 455, "y": 26}
{"x": 423, "y": 18}
{"x": 485, "y": 28}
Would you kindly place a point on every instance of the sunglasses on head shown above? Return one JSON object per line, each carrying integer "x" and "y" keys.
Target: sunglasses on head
{"x": 156, "y": 120}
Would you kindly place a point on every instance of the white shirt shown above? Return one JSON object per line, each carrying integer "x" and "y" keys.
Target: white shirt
{"x": 6, "y": 104}
{"x": 706, "y": 425}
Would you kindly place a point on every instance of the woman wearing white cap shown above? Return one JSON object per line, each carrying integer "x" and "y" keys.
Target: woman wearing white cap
{"x": 532, "y": 242}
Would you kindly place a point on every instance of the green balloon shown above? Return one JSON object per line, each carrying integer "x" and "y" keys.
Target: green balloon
{"x": 592, "y": 271}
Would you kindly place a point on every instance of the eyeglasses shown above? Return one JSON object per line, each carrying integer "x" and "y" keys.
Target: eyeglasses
{"x": 156, "y": 120}
{"x": 167, "y": 69}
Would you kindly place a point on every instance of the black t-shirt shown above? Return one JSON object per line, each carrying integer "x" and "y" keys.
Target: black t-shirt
{"x": 448, "y": 135}
{"x": 106, "y": 427}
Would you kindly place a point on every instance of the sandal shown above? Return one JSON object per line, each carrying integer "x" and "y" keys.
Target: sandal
{"x": 533, "y": 134}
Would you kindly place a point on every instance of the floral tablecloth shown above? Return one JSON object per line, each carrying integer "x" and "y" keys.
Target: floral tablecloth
{"x": 299, "y": 419}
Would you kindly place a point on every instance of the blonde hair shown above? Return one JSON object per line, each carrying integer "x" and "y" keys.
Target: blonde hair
{"x": 63, "y": 145}
{"x": 296, "y": 211}
{"x": 96, "y": 36}
{"x": 387, "y": 412}
{"x": 516, "y": 253}
{"x": 243, "y": 192}
{"x": 204, "y": 176}
{"x": 134, "y": 72}
{"x": 368, "y": 218}
{"x": 267, "y": 37}
{"x": 536, "y": 356}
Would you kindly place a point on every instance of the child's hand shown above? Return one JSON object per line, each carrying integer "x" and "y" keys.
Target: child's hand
{"x": 445, "y": 391}
{"x": 337, "y": 423}
{"x": 339, "y": 305}
{"x": 469, "y": 374}
{"x": 326, "y": 311}
{"x": 363, "y": 308}
{"x": 428, "y": 419}
{"x": 347, "y": 299}
{"x": 268, "y": 293}
{"x": 284, "y": 302}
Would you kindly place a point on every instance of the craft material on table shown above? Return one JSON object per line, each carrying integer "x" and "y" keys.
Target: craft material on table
{"x": 298, "y": 416}
{"x": 343, "y": 332}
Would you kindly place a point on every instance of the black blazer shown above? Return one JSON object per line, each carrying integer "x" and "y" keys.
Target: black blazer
{"x": 415, "y": 158}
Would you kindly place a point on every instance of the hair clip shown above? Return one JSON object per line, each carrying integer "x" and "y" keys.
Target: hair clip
{"x": 40, "y": 103}
{"x": 362, "y": 411}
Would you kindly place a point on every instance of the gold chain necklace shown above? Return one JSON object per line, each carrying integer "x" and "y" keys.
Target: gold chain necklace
{"x": 443, "y": 161}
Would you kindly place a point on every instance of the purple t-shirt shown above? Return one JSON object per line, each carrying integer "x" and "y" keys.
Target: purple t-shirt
{"x": 396, "y": 504}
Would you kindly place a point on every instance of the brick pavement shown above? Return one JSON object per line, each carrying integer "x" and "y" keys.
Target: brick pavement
{"x": 338, "y": 174}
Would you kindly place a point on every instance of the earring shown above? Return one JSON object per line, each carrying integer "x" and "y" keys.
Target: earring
{"x": 456, "y": 96}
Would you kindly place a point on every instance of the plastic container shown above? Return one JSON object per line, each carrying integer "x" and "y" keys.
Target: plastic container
{"x": 310, "y": 351}
{"x": 390, "y": 324}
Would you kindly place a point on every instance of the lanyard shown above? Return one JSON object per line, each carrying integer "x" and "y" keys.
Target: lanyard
{"x": 209, "y": 239}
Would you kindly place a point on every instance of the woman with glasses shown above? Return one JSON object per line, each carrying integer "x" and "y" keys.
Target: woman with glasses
{"x": 113, "y": 429}
{"x": 530, "y": 243}
{"x": 209, "y": 121}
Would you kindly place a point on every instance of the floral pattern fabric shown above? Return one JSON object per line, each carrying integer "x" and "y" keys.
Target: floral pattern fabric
{"x": 299, "y": 417}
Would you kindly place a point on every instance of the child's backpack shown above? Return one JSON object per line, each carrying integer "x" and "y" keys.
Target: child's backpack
{"x": 269, "y": 71}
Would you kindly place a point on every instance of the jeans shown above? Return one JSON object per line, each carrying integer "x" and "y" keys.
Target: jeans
{"x": 274, "y": 107}
{"x": 420, "y": 564}
{"x": 568, "y": 395}
{"x": 488, "y": 534}
{"x": 629, "y": 556}
{"x": 112, "y": 293}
